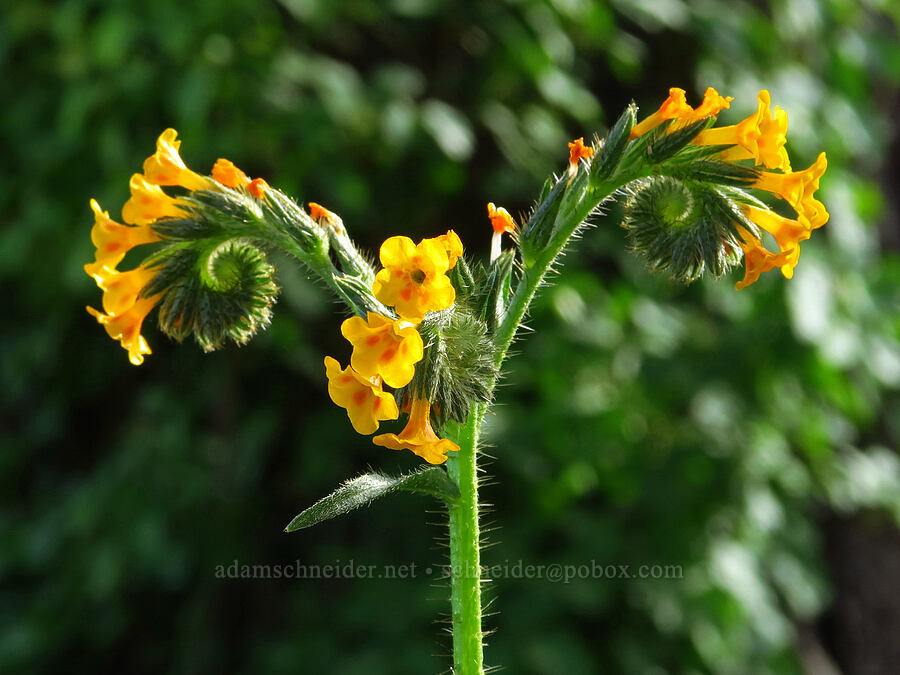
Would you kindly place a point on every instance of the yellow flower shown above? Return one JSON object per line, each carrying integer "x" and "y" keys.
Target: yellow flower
{"x": 675, "y": 107}
{"x": 419, "y": 436}
{"x": 797, "y": 189}
{"x": 126, "y": 327}
{"x": 120, "y": 289}
{"x": 383, "y": 347}
{"x": 362, "y": 397}
{"x": 148, "y": 203}
{"x": 578, "y": 151}
{"x": 452, "y": 245}
{"x": 760, "y": 137}
{"x": 226, "y": 173}
{"x": 165, "y": 166}
{"x": 414, "y": 279}
{"x": 114, "y": 240}
{"x": 786, "y": 232}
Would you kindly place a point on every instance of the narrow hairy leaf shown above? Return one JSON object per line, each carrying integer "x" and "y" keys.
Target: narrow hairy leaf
{"x": 362, "y": 490}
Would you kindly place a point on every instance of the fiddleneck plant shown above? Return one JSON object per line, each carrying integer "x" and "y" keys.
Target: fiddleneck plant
{"x": 431, "y": 325}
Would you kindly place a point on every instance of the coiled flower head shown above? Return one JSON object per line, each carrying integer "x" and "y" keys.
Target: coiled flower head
{"x": 696, "y": 215}
{"x": 681, "y": 228}
{"x": 207, "y": 273}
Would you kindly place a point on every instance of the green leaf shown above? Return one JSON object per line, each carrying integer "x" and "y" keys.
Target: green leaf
{"x": 360, "y": 491}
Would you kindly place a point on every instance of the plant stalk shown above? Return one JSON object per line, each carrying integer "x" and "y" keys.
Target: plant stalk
{"x": 465, "y": 557}
{"x": 465, "y": 554}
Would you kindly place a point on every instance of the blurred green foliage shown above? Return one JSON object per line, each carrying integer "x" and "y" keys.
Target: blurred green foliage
{"x": 642, "y": 422}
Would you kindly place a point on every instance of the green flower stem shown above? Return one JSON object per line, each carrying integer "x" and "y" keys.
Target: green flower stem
{"x": 465, "y": 554}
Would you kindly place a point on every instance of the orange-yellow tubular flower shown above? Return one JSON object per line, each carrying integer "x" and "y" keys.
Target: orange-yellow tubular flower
{"x": 452, "y": 245}
{"x": 797, "y": 189}
{"x": 419, "y": 436}
{"x": 501, "y": 221}
{"x": 165, "y": 166}
{"x": 114, "y": 240}
{"x": 414, "y": 280}
{"x": 787, "y": 233}
{"x": 384, "y": 347}
{"x": 362, "y": 397}
{"x": 148, "y": 203}
{"x": 712, "y": 104}
{"x": 578, "y": 151}
{"x": 226, "y": 173}
{"x": 675, "y": 107}
{"x": 120, "y": 289}
{"x": 760, "y": 137}
{"x": 757, "y": 259}
{"x": 126, "y": 327}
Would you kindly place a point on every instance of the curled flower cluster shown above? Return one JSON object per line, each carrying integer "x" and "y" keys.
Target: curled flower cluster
{"x": 414, "y": 282}
{"x": 124, "y": 305}
{"x": 760, "y": 137}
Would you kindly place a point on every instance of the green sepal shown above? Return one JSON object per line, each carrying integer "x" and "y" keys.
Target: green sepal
{"x": 663, "y": 145}
{"x": 362, "y": 490}
{"x": 184, "y": 229}
{"x": 739, "y": 196}
{"x": 493, "y": 306}
{"x": 537, "y": 230}
{"x": 546, "y": 188}
{"x": 608, "y": 156}
{"x": 463, "y": 280}
{"x": 712, "y": 171}
{"x": 691, "y": 153}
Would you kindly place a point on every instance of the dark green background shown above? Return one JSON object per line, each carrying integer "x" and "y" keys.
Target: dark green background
{"x": 750, "y": 437}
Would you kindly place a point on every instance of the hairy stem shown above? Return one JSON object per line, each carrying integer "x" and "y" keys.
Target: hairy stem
{"x": 465, "y": 558}
{"x": 465, "y": 555}
{"x": 533, "y": 276}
